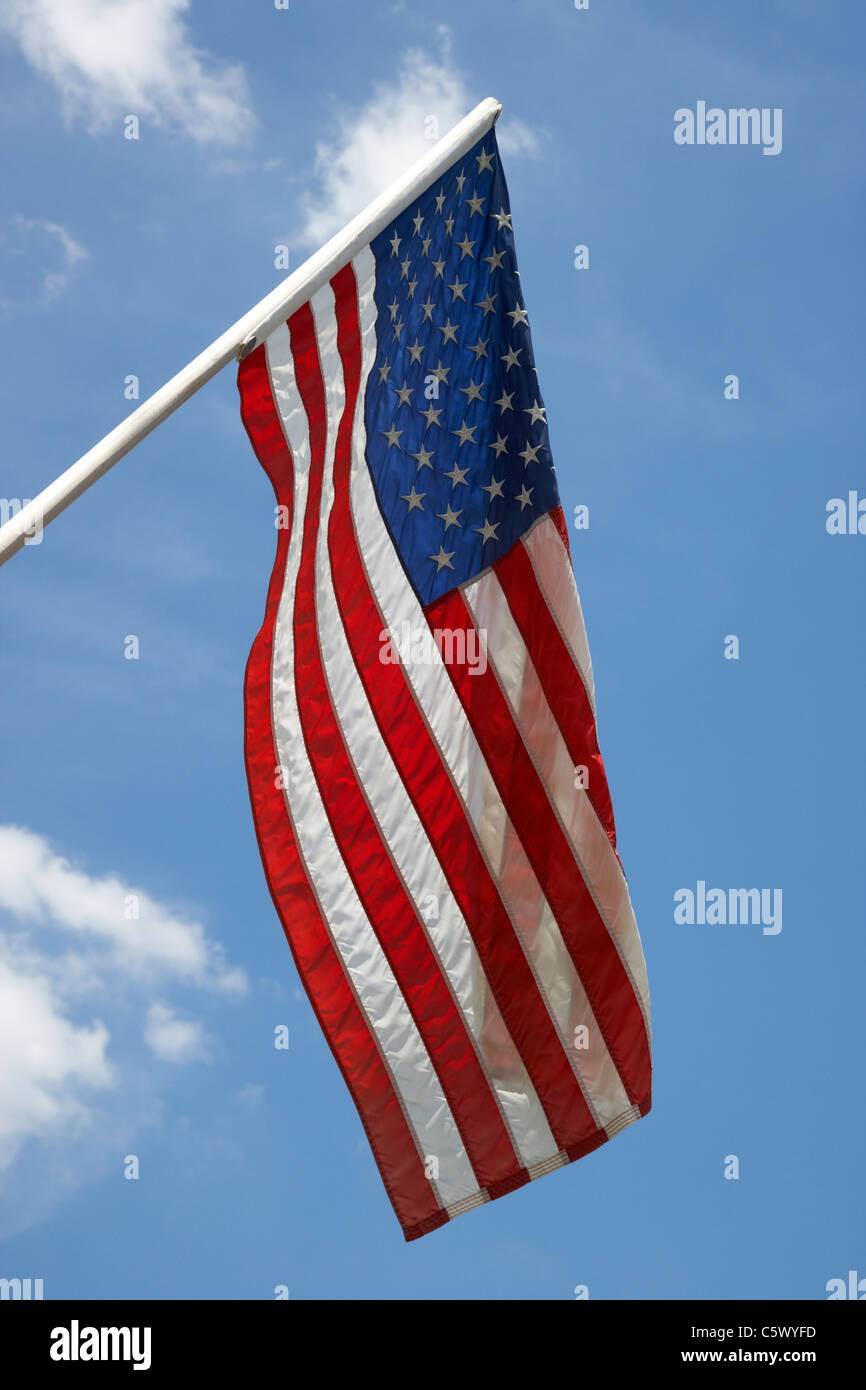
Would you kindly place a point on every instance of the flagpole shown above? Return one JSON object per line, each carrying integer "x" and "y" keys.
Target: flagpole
{"x": 249, "y": 331}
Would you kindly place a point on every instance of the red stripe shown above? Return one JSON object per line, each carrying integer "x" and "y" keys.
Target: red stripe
{"x": 560, "y": 681}
{"x": 439, "y": 808}
{"x": 383, "y": 895}
{"x": 330, "y": 992}
{"x": 558, "y": 520}
{"x": 586, "y": 937}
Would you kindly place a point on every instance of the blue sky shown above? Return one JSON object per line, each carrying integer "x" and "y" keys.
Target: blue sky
{"x": 707, "y": 519}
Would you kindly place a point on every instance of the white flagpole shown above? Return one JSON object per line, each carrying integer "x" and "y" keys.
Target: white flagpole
{"x": 250, "y": 330}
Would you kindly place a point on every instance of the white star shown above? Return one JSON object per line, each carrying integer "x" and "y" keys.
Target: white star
{"x": 451, "y": 518}
{"x": 384, "y": 370}
{"x": 449, "y": 225}
{"x": 413, "y": 498}
{"x": 415, "y": 351}
{"x": 472, "y": 392}
{"x": 510, "y": 358}
{"x": 392, "y": 436}
{"x": 487, "y": 304}
{"x": 461, "y": 179}
{"x": 450, "y": 331}
{"x": 474, "y": 203}
{"x": 394, "y": 309}
{"x": 428, "y": 311}
{"x": 525, "y": 497}
{"x": 404, "y": 394}
{"x": 494, "y": 487}
{"x": 405, "y": 267}
{"x": 457, "y": 289}
{"x": 458, "y": 475}
{"x": 466, "y": 247}
{"x": 530, "y": 454}
{"x": 536, "y": 411}
{"x": 440, "y": 201}
{"x": 442, "y": 560}
{"x": 417, "y": 221}
{"x": 500, "y": 446}
{"x": 431, "y": 416}
{"x": 488, "y": 532}
{"x": 395, "y": 245}
{"x": 480, "y": 348}
{"x": 518, "y": 315}
{"x": 438, "y": 267}
{"x": 423, "y": 456}
{"x": 495, "y": 260}
{"x": 485, "y": 161}
{"x": 466, "y": 433}
{"x": 505, "y": 400}
{"x": 425, "y": 245}
{"x": 440, "y": 373}
{"x": 503, "y": 218}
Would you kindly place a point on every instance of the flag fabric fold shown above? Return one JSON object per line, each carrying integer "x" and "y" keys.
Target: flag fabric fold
{"x": 428, "y": 793}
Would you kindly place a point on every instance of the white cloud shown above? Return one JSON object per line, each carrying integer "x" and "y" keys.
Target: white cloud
{"x": 372, "y": 147}
{"x": 77, "y": 981}
{"x": 144, "y": 937}
{"x": 54, "y": 282}
{"x": 47, "y": 1061}
{"x": 112, "y": 58}
{"x": 232, "y": 165}
{"x": 31, "y": 242}
{"x": 250, "y": 1094}
{"x": 516, "y": 139}
{"x": 174, "y": 1039}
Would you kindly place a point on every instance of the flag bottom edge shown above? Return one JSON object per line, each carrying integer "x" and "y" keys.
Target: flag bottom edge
{"x": 522, "y": 1176}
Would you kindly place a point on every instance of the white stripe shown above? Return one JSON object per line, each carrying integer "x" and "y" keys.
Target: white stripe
{"x": 593, "y": 852}
{"x": 556, "y": 581}
{"x": 416, "y": 861}
{"x": 375, "y": 987}
{"x": 535, "y": 925}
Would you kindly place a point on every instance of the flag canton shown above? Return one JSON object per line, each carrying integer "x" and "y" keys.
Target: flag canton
{"x": 457, "y": 438}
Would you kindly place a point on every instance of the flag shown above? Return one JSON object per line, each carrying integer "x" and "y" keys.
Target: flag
{"x": 429, "y": 798}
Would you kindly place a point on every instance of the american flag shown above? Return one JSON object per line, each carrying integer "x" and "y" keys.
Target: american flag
{"x": 428, "y": 793}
